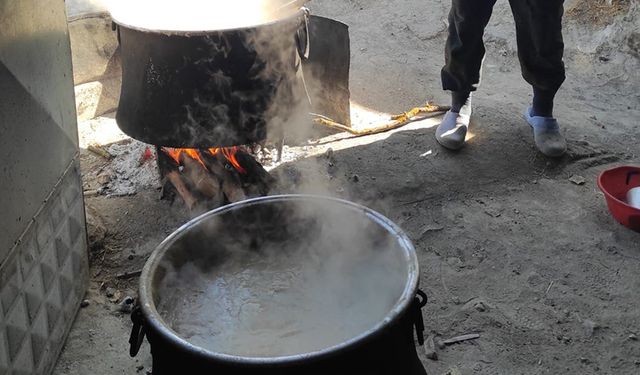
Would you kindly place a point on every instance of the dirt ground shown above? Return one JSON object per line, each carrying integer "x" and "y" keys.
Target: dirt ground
{"x": 509, "y": 247}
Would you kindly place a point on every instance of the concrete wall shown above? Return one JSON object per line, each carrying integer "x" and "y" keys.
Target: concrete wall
{"x": 43, "y": 244}
{"x": 38, "y": 130}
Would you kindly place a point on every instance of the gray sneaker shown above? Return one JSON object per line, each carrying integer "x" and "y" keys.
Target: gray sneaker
{"x": 452, "y": 131}
{"x": 546, "y": 134}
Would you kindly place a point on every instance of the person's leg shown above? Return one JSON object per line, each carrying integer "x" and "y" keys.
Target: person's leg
{"x": 464, "y": 53}
{"x": 540, "y": 49}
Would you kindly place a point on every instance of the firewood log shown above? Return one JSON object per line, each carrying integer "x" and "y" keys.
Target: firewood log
{"x": 181, "y": 187}
{"x": 201, "y": 180}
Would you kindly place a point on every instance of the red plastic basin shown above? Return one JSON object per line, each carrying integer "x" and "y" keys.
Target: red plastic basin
{"x": 615, "y": 183}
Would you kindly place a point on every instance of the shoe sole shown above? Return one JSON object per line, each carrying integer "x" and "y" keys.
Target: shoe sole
{"x": 450, "y": 147}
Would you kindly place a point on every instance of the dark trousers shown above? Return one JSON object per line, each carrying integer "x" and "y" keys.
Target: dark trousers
{"x": 539, "y": 36}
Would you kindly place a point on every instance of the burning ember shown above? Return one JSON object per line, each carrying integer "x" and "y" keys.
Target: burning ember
{"x": 229, "y": 153}
{"x": 211, "y": 177}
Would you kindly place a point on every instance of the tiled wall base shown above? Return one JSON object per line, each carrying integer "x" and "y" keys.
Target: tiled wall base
{"x": 43, "y": 280}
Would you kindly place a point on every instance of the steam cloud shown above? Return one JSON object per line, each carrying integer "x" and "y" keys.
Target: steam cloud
{"x": 282, "y": 281}
{"x": 272, "y": 283}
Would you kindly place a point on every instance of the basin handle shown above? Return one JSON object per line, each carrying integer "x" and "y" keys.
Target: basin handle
{"x": 138, "y": 331}
{"x": 419, "y": 301}
{"x": 631, "y": 174}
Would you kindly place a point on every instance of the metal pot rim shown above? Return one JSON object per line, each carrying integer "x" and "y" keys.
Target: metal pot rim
{"x": 188, "y": 33}
{"x": 153, "y": 319}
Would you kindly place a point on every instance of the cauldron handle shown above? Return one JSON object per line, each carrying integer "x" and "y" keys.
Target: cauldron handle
{"x": 116, "y": 29}
{"x": 419, "y": 301}
{"x": 137, "y": 331}
{"x": 303, "y": 41}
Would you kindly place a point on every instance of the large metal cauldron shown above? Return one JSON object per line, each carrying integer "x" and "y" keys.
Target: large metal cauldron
{"x": 208, "y": 88}
{"x": 386, "y": 346}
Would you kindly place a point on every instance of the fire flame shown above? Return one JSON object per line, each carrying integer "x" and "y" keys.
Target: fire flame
{"x": 176, "y": 152}
{"x": 229, "y": 153}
